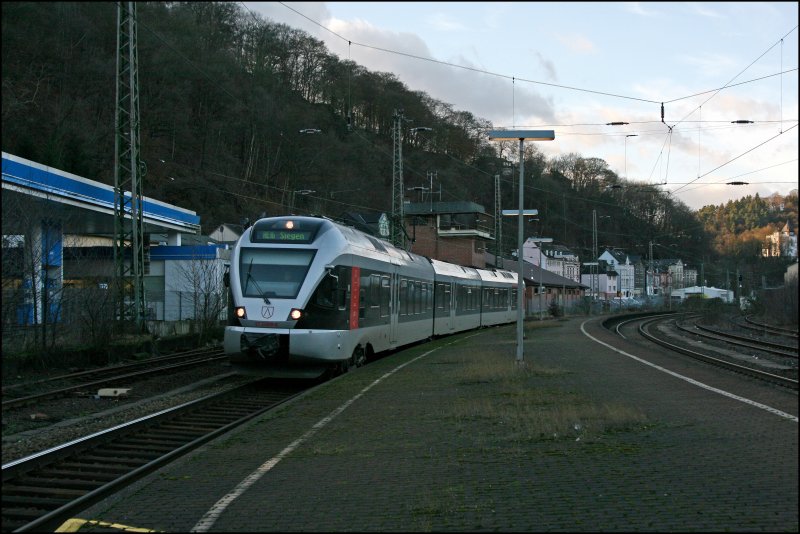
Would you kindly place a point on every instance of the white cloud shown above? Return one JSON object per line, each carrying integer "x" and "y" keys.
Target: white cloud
{"x": 637, "y": 9}
{"x": 444, "y": 23}
{"x": 577, "y": 43}
{"x": 711, "y": 65}
{"x": 548, "y": 66}
{"x": 702, "y": 10}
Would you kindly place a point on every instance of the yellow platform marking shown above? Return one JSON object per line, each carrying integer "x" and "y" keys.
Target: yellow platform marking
{"x": 75, "y": 524}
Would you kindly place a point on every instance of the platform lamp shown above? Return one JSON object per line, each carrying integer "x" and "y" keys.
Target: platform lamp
{"x": 521, "y": 136}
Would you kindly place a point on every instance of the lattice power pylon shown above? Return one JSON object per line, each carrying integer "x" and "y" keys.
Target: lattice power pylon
{"x": 397, "y": 180}
{"x": 128, "y": 173}
{"x": 498, "y": 222}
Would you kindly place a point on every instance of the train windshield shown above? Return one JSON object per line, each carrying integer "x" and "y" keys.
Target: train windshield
{"x": 269, "y": 272}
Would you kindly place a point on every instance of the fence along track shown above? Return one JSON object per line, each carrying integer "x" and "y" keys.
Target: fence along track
{"x": 42, "y": 491}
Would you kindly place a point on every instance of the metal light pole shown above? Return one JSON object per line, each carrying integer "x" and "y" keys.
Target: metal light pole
{"x": 521, "y": 135}
{"x": 398, "y": 235}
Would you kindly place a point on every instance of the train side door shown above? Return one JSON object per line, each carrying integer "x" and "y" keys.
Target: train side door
{"x": 394, "y": 308}
{"x": 452, "y": 306}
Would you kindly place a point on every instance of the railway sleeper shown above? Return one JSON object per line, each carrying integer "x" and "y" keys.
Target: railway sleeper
{"x": 15, "y": 489}
{"x": 62, "y": 483}
{"x": 124, "y": 452}
{"x": 93, "y": 467}
{"x": 171, "y": 435}
{"x": 42, "y": 503}
{"x": 157, "y": 441}
{"x": 128, "y": 446}
{"x": 117, "y": 461}
{"x": 100, "y": 476}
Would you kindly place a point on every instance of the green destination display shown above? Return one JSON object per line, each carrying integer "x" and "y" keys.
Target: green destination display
{"x": 285, "y": 231}
{"x": 284, "y": 235}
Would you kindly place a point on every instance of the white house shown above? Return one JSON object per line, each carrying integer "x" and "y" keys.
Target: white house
{"x": 562, "y": 261}
{"x": 781, "y": 243}
{"x": 185, "y": 282}
{"x": 226, "y": 233}
{"x": 602, "y": 280}
{"x": 621, "y": 263}
{"x": 664, "y": 276}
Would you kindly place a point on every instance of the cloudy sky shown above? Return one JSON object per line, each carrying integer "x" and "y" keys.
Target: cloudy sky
{"x": 574, "y": 67}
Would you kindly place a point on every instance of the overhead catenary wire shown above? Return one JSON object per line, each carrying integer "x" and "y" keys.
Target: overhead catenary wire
{"x": 514, "y": 78}
{"x": 350, "y": 43}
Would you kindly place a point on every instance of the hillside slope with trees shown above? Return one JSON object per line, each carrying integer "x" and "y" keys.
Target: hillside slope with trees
{"x": 224, "y": 94}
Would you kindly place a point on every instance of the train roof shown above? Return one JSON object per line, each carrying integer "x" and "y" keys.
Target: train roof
{"x": 497, "y": 275}
{"x": 365, "y": 241}
{"x": 450, "y": 269}
{"x": 372, "y": 246}
{"x": 368, "y": 245}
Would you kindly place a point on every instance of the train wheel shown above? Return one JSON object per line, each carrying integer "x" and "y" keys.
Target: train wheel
{"x": 359, "y": 357}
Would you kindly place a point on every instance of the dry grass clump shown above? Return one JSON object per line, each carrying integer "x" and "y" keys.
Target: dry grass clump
{"x": 523, "y": 402}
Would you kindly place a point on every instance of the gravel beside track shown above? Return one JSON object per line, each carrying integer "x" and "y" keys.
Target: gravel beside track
{"x": 69, "y": 418}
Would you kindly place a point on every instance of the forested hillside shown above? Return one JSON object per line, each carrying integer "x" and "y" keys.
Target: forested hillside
{"x": 224, "y": 95}
{"x": 739, "y": 227}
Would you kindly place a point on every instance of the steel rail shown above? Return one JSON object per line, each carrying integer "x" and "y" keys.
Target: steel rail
{"x": 21, "y": 401}
{"x": 45, "y": 506}
{"x": 741, "y": 341}
{"x": 769, "y": 377}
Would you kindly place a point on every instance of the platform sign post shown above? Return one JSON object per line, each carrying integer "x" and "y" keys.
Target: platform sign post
{"x": 521, "y": 136}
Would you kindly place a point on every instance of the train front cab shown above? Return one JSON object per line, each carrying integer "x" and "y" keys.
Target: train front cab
{"x": 279, "y": 271}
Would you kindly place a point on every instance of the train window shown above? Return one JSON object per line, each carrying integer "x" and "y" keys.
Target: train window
{"x": 403, "y": 297}
{"x": 430, "y": 296}
{"x": 374, "y": 291}
{"x": 326, "y": 292}
{"x": 385, "y": 296}
{"x": 361, "y": 309}
{"x": 277, "y": 273}
{"x": 342, "y": 293}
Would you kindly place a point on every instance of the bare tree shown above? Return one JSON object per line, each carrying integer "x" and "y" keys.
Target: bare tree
{"x": 202, "y": 278}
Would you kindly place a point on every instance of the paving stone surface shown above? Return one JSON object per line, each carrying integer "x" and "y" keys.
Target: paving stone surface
{"x": 580, "y": 438}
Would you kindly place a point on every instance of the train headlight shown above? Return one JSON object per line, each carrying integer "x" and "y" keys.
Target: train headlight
{"x": 295, "y": 314}
{"x": 240, "y": 312}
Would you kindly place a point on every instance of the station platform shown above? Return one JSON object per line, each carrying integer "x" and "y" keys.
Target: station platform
{"x": 454, "y": 435}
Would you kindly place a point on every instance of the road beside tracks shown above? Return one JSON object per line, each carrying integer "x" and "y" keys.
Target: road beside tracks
{"x": 452, "y": 435}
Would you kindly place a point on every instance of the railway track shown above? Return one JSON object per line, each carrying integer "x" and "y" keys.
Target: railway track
{"x": 644, "y": 330}
{"x": 43, "y": 490}
{"x": 59, "y": 386}
{"x": 763, "y": 328}
{"x": 763, "y": 345}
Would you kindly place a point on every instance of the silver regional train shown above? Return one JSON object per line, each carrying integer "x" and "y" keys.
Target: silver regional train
{"x": 310, "y": 296}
